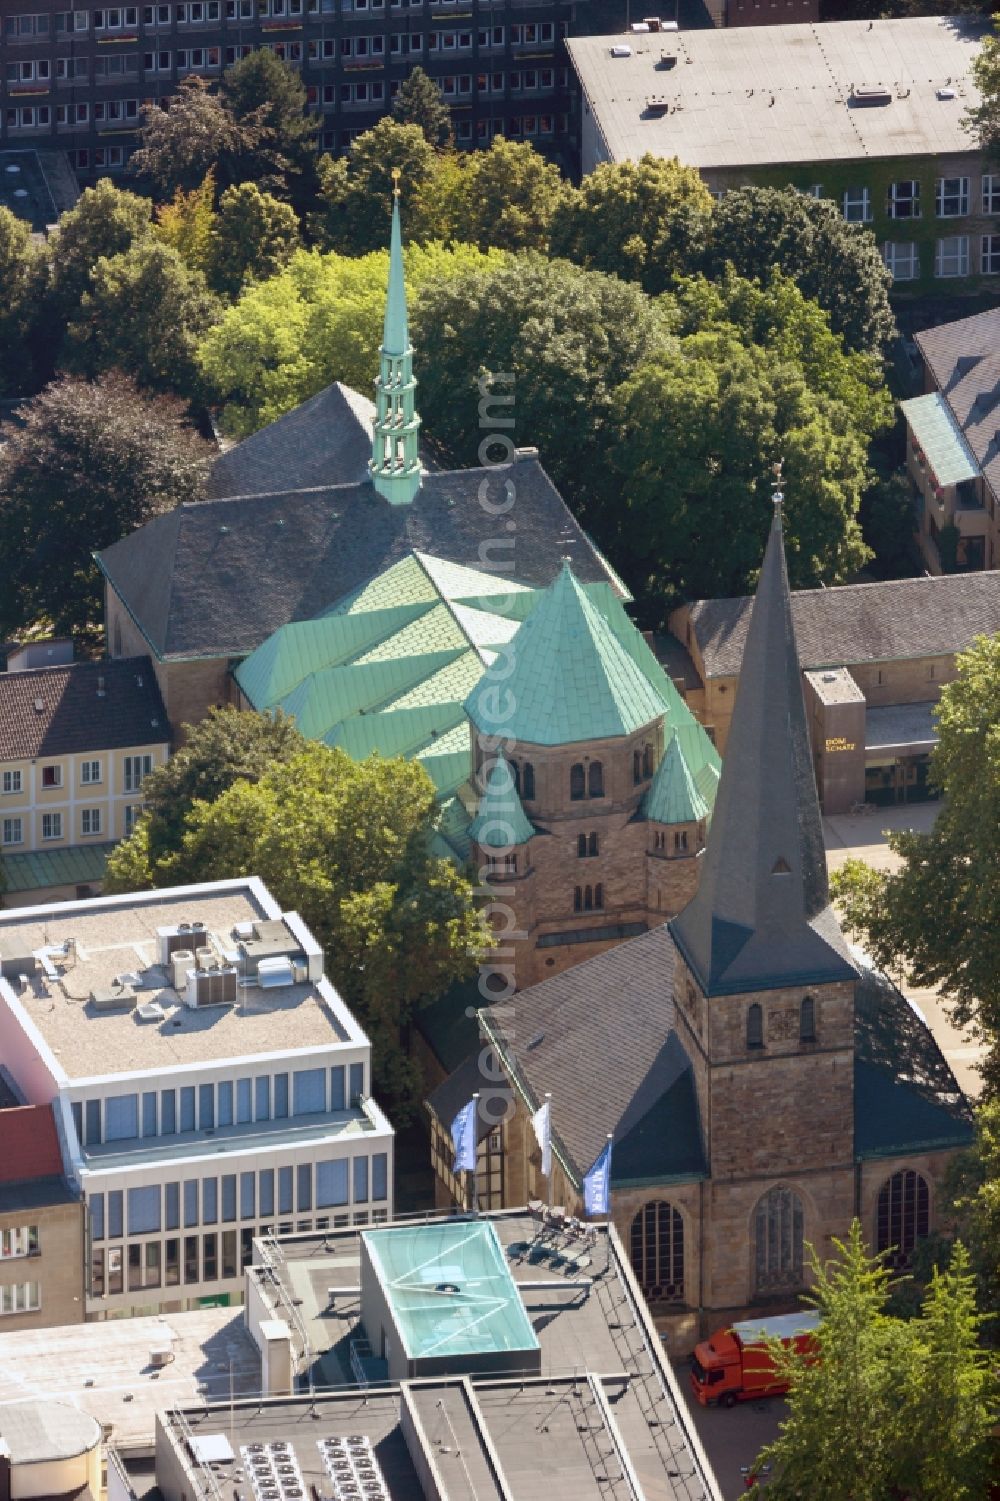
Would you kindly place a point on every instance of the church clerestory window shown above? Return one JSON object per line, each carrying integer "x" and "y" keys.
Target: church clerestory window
{"x": 595, "y": 779}
{"x": 902, "y": 1216}
{"x": 656, "y": 1250}
{"x": 577, "y": 782}
{"x": 527, "y": 788}
{"x": 807, "y": 1019}
{"x": 778, "y": 1241}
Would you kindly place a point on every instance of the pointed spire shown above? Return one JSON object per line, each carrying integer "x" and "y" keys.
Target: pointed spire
{"x": 571, "y": 679}
{"x": 395, "y": 461}
{"x": 500, "y": 821}
{"x": 761, "y": 918}
{"x": 672, "y": 796}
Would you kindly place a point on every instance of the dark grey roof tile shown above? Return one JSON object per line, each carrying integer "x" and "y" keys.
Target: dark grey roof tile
{"x": 86, "y": 706}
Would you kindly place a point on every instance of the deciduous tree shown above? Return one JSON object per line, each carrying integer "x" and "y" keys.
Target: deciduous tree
{"x": 355, "y": 191}
{"x": 254, "y": 236}
{"x": 22, "y": 278}
{"x": 835, "y": 263}
{"x": 347, "y": 845}
{"x": 269, "y": 104}
{"x": 937, "y": 917}
{"x": 92, "y": 462}
{"x": 195, "y": 133}
{"x": 646, "y": 221}
{"x": 144, "y": 313}
{"x": 510, "y": 196}
{"x": 186, "y": 224}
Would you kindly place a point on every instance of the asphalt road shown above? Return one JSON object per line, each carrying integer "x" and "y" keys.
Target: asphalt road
{"x": 732, "y": 1437}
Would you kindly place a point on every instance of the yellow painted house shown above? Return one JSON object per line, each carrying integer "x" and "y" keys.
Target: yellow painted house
{"x": 76, "y": 743}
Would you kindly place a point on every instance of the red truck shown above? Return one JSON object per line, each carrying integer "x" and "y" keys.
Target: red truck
{"x": 735, "y": 1365}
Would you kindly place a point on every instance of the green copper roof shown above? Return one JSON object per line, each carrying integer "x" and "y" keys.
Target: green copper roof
{"x": 404, "y": 583}
{"x": 77, "y": 865}
{"x": 501, "y": 821}
{"x": 673, "y": 796}
{"x": 395, "y": 332}
{"x": 572, "y": 678}
{"x": 941, "y": 438}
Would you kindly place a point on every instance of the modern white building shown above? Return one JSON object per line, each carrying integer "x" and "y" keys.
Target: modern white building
{"x": 209, "y": 1083}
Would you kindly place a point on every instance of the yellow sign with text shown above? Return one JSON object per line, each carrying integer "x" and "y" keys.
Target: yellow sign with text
{"x": 838, "y": 743}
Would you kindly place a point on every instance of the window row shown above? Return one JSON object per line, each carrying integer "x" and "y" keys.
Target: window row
{"x": 952, "y": 257}
{"x": 91, "y": 823}
{"x": 18, "y": 1240}
{"x": 807, "y": 1022}
{"x": 238, "y": 1196}
{"x": 203, "y": 1107}
{"x": 120, "y": 19}
{"x": 134, "y": 768}
{"x": 588, "y": 898}
{"x": 952, "y": 199}
{"x": 20, "y": 1297}
{"x": 656, "y": 1237}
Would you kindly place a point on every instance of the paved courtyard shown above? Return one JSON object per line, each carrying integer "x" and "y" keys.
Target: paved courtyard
{"x": 864, "y": 836}
{"x": 732, "y": 1437}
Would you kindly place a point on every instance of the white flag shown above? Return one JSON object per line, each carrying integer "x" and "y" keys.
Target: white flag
{"x": 542, "y": 1124}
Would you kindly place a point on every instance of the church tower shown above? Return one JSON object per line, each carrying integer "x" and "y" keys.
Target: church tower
{"x": 764, "y": 985}
{"x": 395, "y": 460}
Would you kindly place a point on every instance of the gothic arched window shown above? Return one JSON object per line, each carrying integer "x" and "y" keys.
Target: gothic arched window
{"x": 656, "y": 1250}
{"x": 755, "y": 1026}
{"x": 807, "y": 1019}
{"x": 902, "y": 1216}
{"x": 528, "y": 782}
{"x": 577, "y": 782}
{"x": 595, "y": 780}
{"x": 778, "y": 1241}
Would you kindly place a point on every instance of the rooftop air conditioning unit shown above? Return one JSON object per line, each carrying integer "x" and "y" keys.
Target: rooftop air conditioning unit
{"x": 204, "y": 956}
{"x": 218, "y": 986}
{"x": 872, "y": 93}
{"x": 622, "y": 50}
{"x": 181, "y": 960}
{"x": 185, "y": 935}
{"x": 117, "y": 998}
{"x": 150, "y": 1011}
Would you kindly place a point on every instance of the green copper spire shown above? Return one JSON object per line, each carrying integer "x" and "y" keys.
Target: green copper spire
{"x": 395, "y": 461}
{"x": 500, "y": 822}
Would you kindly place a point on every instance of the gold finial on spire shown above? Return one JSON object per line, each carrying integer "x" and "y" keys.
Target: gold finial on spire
{"x": 397, "y": 173}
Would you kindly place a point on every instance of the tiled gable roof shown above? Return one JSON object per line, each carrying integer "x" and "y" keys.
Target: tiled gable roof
{"x": 215, "y": 578}
{"x": 925, "y": 617}
{"x": 29, "y": 1145}
{"x": 325, "y": 441}
{"x": 85, "y": 706}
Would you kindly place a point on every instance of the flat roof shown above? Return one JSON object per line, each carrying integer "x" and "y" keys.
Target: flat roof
{"x": 766, "y": 95}
{"x": 901, "y": 727}
{"x": 588, "y": 1316}
{"x": 104, "y": 1371}
{"x": 449, "y": 1289}
{"x": 835, "y": 685}
{"x": 116, "y": 936}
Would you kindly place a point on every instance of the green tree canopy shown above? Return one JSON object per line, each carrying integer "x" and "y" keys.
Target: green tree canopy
{"x": 884, "y": 1407}
{"x": 186, "y": 224}
{"x": 254, "y": 236}
{"x": 145, "y": 313}
{"x": 419, "y": 102}
{"x": 355, "y": 191}
{"x": 982, "y": 120}
{"x": 92, "y": 462}
{"x": 347, "y": 845}
{"x": 227, "y": 746}
{"x": 938, "y": 916}
{"x": 560, "y": 339}
{"x": 509, "y": 197}
{"x": 646, "y": 221}
{"x": 195, "y": 133}
{"x": 835, "y": 263}
{"x": 319, "y": 321}
{"x": 23, "y": 270}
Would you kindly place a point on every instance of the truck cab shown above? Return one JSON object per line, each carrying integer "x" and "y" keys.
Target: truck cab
{"x": 735, "y": 1364}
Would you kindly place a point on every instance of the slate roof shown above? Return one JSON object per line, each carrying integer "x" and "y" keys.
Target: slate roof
{"x": 925, "y": 617}
{"x": 75, "y": 715}
{"x": 600, "y": 1038}
{"x": 761, "y": 917}
{"x": 215, "y": 578}
{"x": 327, "y": 440}
{"x": 906, "y": 1098}
{"x": 571, "y": 679}
{"x": 29, "y": 1145}
{"x": 964, "y": 359}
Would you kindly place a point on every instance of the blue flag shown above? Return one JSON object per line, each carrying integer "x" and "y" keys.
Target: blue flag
{"x": 597, "y": 1185}
{"x": 463, "y": 1134}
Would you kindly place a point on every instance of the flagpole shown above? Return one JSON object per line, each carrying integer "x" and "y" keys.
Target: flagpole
{"x": 548, "y": 1101}
{"x": 474, "y": 1197}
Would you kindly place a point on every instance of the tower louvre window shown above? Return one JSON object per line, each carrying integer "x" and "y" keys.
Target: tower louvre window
{"x": 807, "y": 1019}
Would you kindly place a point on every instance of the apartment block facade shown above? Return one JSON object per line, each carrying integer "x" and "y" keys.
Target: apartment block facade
{"x": 41, "y": 1222}
{"x": 77, "y": 76}
{"x": 209, "y": 1084}
{"x": 77, "y": 741}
